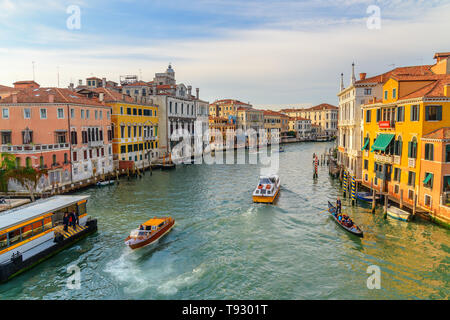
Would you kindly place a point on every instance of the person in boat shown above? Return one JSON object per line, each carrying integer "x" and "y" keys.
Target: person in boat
{"x": 73, "y": 220}
{"x": 338, "y": 205}
{"x": 66, "y": 221}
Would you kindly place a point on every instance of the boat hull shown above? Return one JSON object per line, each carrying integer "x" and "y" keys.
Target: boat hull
{"x": 398, "y": 216}
{"x": 331, "y": 209}
{"x": 363, "y": 196}
{"x": 153, "y": 238}
{"x": 265, "y": 199}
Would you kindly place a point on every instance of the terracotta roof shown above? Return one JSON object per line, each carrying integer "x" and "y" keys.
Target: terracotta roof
{"x": 441, "y": 55}
{"x": 137, "y": 84}
{"x": 297, "y": 119}
{"x": 412, "y": 70}
{"x": 42, "y": 95}
{"x": 441, "y": 133}
{"x": 433, "y": 89}
{"x": 5, "y": 88}
{"x": 322, "y": 106}
{"x": 113, "y": 95}
{"x": 230, "y": 101}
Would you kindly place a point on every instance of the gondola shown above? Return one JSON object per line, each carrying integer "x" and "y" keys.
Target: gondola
{"x": 352, "y": 230}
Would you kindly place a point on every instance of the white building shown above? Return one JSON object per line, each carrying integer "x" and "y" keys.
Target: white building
{"x": 301, "y": 126}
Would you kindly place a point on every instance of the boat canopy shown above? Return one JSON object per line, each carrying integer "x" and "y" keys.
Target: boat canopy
{"x": 382, "y": 141}
{"x": 36, "y": 209}
{"x": 154, "y": 222}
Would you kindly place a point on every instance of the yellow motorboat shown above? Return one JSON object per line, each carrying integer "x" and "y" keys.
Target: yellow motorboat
{"x": 267, "y": 190}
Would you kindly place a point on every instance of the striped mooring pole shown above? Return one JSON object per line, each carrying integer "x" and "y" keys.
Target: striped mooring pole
{"x": 345, "y": 183}
{"x": 353, "y": 190}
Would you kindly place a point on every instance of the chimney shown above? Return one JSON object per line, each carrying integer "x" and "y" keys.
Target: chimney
{"x": 14, "y": 97}
{"x": 353, "y": 78}
{"x": 447, "y": 90}
{"x": 123, "y": 97}
{"x": 189, "y": 91}
{"x": 101, "y": 96}
{"x": 362, "y": 76}
{"x": 71, "y": 86}
{"x": 342, "y": 82}
{"x": 104, "y": 82}
{"x": 197, "y": 91}
{"x": 51, "y": 98}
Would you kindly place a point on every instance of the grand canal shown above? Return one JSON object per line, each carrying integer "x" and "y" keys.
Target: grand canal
{"x": 225, "y": 247}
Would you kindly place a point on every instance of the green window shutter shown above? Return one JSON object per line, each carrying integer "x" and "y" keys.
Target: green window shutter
{"x": 427, "y": 110}
{"x": 439, "y": 113}
{"x": 428, "y": 177}
{"x": 409, "y": 149}
{"x": 400, "y": 145}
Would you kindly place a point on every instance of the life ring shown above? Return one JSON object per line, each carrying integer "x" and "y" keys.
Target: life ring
{"x": 268, "y": 186}
{"x": 260, "y": 187}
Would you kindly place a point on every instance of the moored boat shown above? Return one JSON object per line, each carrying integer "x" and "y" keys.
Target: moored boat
{"x": 31, "y": 233}
{"x": 267, "y": 190}
{"x": 353, "y": 229}
{"x": 149, "y": 232}
{"x": 367, "y": 196}
{"x": 399, "y": 214}
{"x": 105, "y": 183}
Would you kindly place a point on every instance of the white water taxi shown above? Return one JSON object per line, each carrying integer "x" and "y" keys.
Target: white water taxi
{"x": 267, "y": 190}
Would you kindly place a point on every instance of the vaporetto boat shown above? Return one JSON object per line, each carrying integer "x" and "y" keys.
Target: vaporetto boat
{"x": 31, "y": 233}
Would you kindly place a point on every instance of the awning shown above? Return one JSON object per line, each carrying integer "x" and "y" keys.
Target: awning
{"x": 382, "y": 142}
{"x": 365, "y": 145}
{"x": 428, "y": 178}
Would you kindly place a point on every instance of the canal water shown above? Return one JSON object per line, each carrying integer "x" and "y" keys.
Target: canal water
{"x": 225, "y": 247}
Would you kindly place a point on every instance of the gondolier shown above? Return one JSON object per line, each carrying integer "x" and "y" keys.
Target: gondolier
{"x": 338, "y": 206}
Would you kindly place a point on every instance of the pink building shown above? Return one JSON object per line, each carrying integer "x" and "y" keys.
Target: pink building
{"x": 57, "y": 129}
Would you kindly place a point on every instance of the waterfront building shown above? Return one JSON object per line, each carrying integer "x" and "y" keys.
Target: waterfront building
{"x": 301, "y": 127}
{"x": 135, "y": 123}
{"x": 222, "y": 125}
{"x": 351, "y": 99}
{"x": 324, "y": 115}
{"x": 411, "y": 107}
{"x": 59, "y": 130}
{"x": 250, "y": 118}
{"x": 434, "y": 179}
{"x": 273, "y": 121}
{"x": 227, "y": 107}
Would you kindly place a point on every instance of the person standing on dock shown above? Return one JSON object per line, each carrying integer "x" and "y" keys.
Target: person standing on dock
{"x": 72, "y": 220}
{"x": 338, "y": 206}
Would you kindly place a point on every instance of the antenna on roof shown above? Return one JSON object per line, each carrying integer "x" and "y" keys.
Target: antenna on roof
{"x": 57, "y": 71}
{"x": 392, "y": 65}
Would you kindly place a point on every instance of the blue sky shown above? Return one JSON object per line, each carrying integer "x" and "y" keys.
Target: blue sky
{"x": 270, "y": 53}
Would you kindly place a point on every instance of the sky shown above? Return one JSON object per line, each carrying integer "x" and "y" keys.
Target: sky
{"x": 272, "y": 54}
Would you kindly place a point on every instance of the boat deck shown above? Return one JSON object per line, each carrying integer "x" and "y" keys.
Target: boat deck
{"x": 70, "y": 231}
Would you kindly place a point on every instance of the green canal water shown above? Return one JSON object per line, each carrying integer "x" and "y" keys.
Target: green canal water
{"x": 225, "y": 247}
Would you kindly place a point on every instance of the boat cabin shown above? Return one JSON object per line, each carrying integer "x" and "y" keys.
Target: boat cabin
{"x": 29, "y": 229}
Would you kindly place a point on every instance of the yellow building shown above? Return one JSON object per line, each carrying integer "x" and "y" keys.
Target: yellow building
{"x": 412, "y": 106}
{"x": 135, "y": 122}
{"x": 226, "y": 107}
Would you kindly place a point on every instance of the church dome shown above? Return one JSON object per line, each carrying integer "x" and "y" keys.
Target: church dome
{"x": 169, "y": 69}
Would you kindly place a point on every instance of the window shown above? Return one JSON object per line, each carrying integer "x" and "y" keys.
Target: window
{"x": 427, "y": 200}
{"x": 48, "y": 223}
{"x": 398, "y": 146}
{"x": 134, "y": 112}
{"x": 368, "y": 114}
{"x": 366, "y": 164}
{"x": 428, "y": 181}
{"x": 130, "y": 148}
{"x": 412, "y": 148}
{"x": 87, "y": 114}
{"x": 27, "y": 113}
{"x": 66, "y": 158}
{"x": 37, "y": 227}
{"x": 447, "y": 153}
{"x": 72, "y": 113}
{"x": 367, "y": 91}
{"x": 396, "y": 189}
{"x": 397, "y": 174}
{"x": 378, "y": 115}
{"x": 394, "y": 93}
{"x": 129, "y": 111}
{"x": 433, "y": 113}
{"x": 446, "y": 186}
{"x": 400, "y": 114}
{"x": 415, "y": 112}
{"x": 73, "y": 137}
{"x": 14, "y": 236}
{"x": 385, "y": 95}
{"x": 82, "y": 114}
{"x": 60, "y": 137}
{"x": 6, "y": 137}
{"x": 122, "y": 132}
{"x": 429, "y": 151}
{"x": 410, "y": 194}
{"x": 60, "y": 113}
{"x": 5, "y": 113}
{"x": 411, "y": 178}
{"x": 43, "y": 113}
{"x": 123, "y": 149}
{"x": 96, "y": 114}
{"x": 27, "y": 137}
{"x": 74, "y": 156}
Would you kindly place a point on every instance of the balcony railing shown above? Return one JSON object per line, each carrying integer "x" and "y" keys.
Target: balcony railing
{"x": 31, "y": 148}
{"x": 93, "y": 144}
{"x": 384, "y": 158}
{"x": 411, "y": 162}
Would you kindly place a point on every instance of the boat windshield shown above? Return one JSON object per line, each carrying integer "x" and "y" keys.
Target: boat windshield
{"x": 139, "y": 233}
{"x": 264, "y": 181}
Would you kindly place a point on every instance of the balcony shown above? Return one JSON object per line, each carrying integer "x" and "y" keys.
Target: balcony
{"x": 33, "y": 148}
{"x": 397, "y": 160}
{"x": 411, "y": 162}
{"x": 384, "y": 158}
{"x": 94, "y": 144}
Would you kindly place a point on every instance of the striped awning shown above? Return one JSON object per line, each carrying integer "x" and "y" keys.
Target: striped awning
{"x": 382, "y": 142}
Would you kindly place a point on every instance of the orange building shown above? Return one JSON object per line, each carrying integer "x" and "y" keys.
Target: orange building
{"x": 59, "y": 130}
{"x": 434, "y": 180}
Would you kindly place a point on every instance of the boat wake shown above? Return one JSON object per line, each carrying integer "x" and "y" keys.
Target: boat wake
{"x": 183, "y": 280}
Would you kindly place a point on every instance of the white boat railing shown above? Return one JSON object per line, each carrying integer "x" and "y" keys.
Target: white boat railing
{"x": 140, "y": 233}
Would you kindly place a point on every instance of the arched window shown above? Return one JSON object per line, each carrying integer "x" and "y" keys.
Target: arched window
{"x": 41, "y": 162}
{"x": 398, "y": 146}
{"x": 412, "y": 148}
{"x": 54, "y": 159}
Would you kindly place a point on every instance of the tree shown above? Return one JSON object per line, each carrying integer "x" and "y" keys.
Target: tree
{"x": 7, "y": 163}
{"x": 27, "y": 177}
